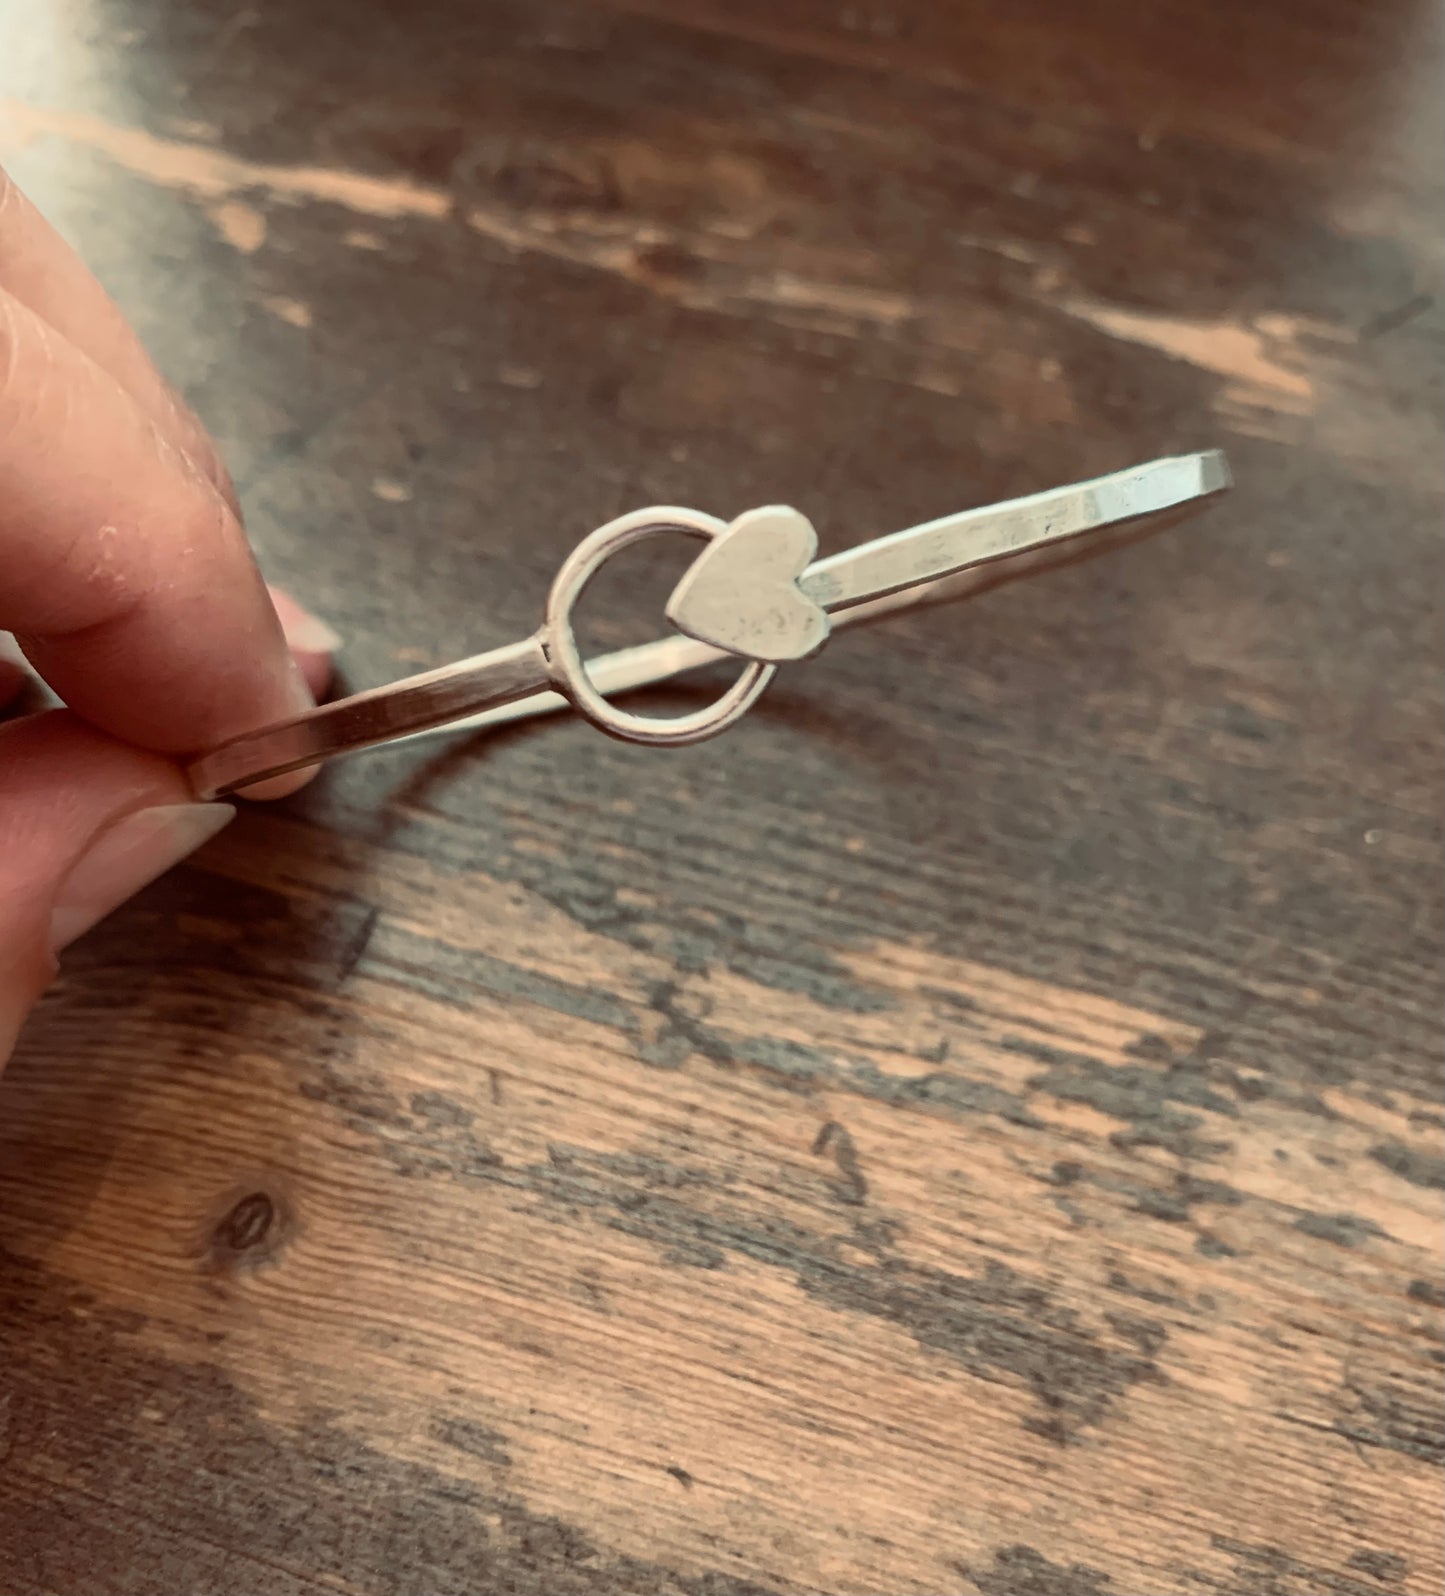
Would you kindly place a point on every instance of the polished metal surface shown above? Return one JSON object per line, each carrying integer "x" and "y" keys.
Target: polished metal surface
{"x": 754, "y": 593}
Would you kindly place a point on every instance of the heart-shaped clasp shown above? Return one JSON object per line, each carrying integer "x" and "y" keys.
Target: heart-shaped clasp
{"x": 741, "y": 593}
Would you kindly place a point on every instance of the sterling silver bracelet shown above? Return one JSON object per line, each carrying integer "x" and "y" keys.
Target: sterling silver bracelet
{"x": 755, "y": 593}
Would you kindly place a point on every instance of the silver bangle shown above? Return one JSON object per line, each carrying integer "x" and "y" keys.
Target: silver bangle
{"x": 755, "y": 593}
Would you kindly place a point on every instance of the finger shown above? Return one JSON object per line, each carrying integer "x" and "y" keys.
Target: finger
{"x": 85, "y": 823}
{"x": 40, "y": 269}
{"x": 311, "y": 641}
{"x": 128, "y": 580}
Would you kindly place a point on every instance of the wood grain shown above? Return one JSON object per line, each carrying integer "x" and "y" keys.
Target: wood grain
{"x": 976, "y": 1128}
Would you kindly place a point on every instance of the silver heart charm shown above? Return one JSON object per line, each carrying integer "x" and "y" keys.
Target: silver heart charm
{"x": 741, "y": 593}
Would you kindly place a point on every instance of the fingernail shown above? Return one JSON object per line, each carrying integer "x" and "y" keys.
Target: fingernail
{"x": 13, "y": 670}
{"x": 127, "y": 856}
{"x": 309, "y": 634}
{"x": 305, "y": 633}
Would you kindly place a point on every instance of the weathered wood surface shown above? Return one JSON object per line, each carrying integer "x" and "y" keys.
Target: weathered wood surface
{"x": 976, "y": 1128}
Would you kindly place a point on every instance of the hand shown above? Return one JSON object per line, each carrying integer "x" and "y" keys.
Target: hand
{"x": 128, "y": 582}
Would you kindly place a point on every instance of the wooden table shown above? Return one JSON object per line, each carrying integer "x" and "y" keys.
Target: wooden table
{"x": 976, "y": 1127}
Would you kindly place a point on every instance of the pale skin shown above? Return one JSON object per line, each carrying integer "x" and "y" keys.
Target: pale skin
{"x": 130, "y": 588}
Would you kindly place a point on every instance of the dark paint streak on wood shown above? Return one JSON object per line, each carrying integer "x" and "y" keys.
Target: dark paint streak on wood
{"x": 1409, "y": 1163}
{"x": 1265, "y": 1570}
{"x": 466, "y": 1435}
{"x": 1022, "y": 1571}
{"x": 1345, "y": 1230}
{"x": 1430, "y": 1292}
{"x": 834, "y": 1138}
{"x": 1138, "y": 1094}
{"x": 1389, "y": 1568}
{"x": 458, "y": 975}
{"x": 1395, "y": 1409}
{"x": 801, "y": 1067}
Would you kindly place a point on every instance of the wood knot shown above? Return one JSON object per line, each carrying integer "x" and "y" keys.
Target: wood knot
{"x": 250, "y": 1230}
{"x": 248, "y": 1223}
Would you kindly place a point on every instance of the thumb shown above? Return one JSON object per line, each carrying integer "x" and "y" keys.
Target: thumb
{"x": 85, "y": 822}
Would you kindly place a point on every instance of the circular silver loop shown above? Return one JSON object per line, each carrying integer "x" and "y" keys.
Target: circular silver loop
{"x": 565, "y": 664}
